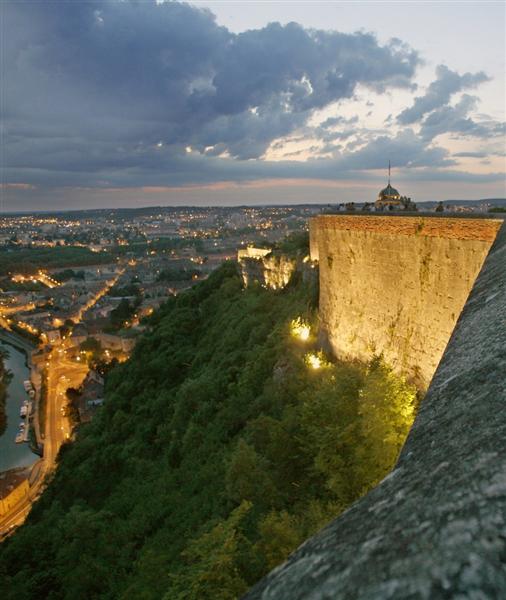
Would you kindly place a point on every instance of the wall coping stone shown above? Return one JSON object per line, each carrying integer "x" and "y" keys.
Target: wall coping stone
{"x": 484, "y": 229}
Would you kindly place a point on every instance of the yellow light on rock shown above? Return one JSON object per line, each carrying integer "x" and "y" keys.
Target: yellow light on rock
{"x": 300, "y": 329}
{"x": 314, "y": 361}
{"x": 304, "y": 333}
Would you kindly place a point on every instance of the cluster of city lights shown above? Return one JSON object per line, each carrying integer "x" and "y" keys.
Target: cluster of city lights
{"x": 40, "y": 277}
{"x": 27, "y": 327}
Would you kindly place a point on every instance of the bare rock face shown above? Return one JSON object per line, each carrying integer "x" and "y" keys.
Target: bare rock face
{"x": 262, "y": 266}
{"x": 436, "y": 526}
{"x": 396, "y": 285}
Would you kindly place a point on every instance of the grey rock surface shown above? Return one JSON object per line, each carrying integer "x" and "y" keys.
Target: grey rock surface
{"x": 436, "y": 526}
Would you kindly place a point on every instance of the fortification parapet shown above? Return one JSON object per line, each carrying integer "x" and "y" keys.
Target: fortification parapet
{"x": 436, "y": 526}
{"x": 396, "y": 285}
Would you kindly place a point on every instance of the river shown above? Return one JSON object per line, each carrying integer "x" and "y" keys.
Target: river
{"x": 11, "y": 454}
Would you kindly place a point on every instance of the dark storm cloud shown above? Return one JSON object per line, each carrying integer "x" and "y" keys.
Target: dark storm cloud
{"x": 165, "y": 168}
{"x": 105, "y": 91}
{"x": 439, "y": 92}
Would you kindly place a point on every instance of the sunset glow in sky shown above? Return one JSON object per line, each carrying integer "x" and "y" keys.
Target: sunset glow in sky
{"x": 151, "y": 103}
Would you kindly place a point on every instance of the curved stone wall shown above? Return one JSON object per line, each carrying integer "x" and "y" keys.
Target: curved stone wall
{"x": 436, "y": 526}
{"x": 396, "y": 285}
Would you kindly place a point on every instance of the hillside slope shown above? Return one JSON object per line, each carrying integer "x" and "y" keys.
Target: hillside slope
{"x": 218, "y": 451}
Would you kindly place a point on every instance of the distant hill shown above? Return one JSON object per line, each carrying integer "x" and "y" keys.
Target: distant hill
{"x": 474, "y": 203}
{"x": 128, "y": 213}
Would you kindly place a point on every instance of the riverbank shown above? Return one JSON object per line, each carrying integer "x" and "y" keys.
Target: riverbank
{"x": 5, "y": 377}
{"x": 23, "y": 345}
{"x": 14, "y": 455}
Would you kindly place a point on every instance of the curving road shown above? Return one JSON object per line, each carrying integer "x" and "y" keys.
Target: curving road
{"x": 62, "y": 374}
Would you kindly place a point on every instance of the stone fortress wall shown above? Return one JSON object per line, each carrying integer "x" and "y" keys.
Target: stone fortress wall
{"x": 435, "y": 527}
{"x": 396, "y": 285}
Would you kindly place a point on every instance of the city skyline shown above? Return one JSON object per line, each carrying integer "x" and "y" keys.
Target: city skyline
{"x": 223, "y": 103}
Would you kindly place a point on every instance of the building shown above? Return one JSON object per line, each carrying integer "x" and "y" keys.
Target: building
{"x": 115, "y": 342}
{"x": 91, "y": 396}
{"x": 391, "y": 199}
{"x": 53, "y": 336}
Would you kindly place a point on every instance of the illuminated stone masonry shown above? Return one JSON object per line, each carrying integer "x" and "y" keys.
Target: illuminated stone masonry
{"x": 396, "y": 285}
{"x": 435, "y": 527}
{"x": 260, "y": 265}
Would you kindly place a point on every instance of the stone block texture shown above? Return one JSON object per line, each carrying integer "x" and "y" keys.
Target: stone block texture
{"x": 396, "y": 285}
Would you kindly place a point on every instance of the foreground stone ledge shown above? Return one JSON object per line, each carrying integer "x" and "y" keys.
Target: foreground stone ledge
{"x": 436, "y": 526}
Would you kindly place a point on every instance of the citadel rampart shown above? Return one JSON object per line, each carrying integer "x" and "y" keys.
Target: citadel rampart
{"x": 436, "y": 526}
{"x": 396, "y": 285}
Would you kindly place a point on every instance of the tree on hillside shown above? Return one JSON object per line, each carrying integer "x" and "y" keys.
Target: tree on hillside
{"x": 212, "y": 562}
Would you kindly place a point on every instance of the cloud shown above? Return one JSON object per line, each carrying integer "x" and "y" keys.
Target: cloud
{"x": 455, "y": 119}
{"x": 470, "y": 154}
{"x": 140, "y": 95}
{"x": 336, "y": 121}
{"x": 162, "y": 168}
{"x": 97, "y": 90}
{"x": 406, "y": 149}
{"x": 16, "y": 186}
{"x": 438, "y": 116}
{"x": 439, "y": 92}
{"x": 454, "y": 176}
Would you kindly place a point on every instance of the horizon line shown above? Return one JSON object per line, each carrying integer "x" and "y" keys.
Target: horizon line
{"x": 228, "y": 207}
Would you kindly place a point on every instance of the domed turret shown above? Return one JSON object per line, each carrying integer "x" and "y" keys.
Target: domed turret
{"x": 388, "y": 196}
{"x": 389, "y": 192}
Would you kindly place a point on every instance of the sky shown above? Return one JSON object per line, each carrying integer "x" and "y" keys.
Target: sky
{"x": 142, "y": 103}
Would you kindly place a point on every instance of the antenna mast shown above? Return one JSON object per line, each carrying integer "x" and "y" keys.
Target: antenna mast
{"x": 389, "y": 172}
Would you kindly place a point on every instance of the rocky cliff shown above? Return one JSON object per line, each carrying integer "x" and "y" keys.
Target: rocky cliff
{"x": 272, "y": 270}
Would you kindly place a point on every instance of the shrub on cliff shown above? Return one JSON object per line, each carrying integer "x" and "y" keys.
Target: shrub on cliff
{"x": 295, "y": 244}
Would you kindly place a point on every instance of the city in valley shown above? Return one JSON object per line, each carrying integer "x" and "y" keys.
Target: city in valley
{"x": 252, "y": 300}
{"x": 77, "y": 289}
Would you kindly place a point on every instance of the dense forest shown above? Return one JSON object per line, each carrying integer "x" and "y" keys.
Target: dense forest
{"x": 223, "y": 443}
